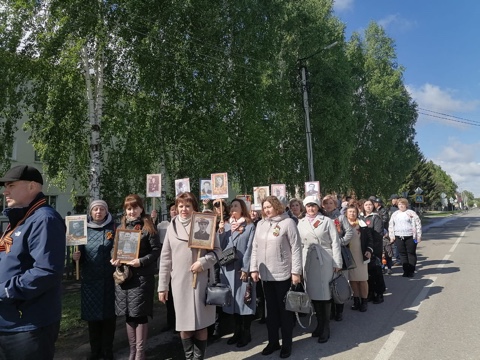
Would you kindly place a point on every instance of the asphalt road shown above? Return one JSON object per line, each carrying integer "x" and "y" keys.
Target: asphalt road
{"x": 430, "y": 316}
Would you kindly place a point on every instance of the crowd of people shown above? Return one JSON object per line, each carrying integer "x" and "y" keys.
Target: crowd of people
{"x": 276, "y": 248}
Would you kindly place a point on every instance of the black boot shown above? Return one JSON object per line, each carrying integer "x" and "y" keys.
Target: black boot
{"x": 333, "y": 310}
{"x": 246, "y": 337}
{"x": 316, "y": 306}
{"x": 188, "y": 348}
{"x": 325, "y": 318}
{"x": 215, "y": 328}
{"x": 338, "y": 312}
{"x": 238, "y": 330}
{"x": 95, "y": 337}
{"x": 356, "y": 303}
{"x": 108, "y": 328}
{"x": 363, "y": 305}
{"x": 199, "y": 347}
{"x": 378, "y": 299}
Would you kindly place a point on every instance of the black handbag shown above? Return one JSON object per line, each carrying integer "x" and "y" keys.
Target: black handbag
{"x": 218, "y": 294}
{"x": 228, "y": 256}
{"x": 347, "y": 258}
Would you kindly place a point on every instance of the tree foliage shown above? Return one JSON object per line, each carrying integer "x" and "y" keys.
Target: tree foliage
{"x": 432, "y": 179}
{"x": 189, "y": 89}
{"x": 385, "y": 149}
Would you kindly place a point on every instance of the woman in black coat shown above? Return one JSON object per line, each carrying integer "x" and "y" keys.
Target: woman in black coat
{"x": 134, "y": 298}
{"x": 98, "y": 288}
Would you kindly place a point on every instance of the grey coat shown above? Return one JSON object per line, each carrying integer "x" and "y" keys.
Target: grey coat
{"x": 276, "y": 252}
{"x": 321, "y": 253}
{"x": 176, "y": 258}
{"x": 231, "y": 272}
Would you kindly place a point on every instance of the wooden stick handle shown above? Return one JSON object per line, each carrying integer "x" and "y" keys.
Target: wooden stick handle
{"x": 77, "y": 266}
{"x": 221, "y": 210}
{"x": 194, "y": 283}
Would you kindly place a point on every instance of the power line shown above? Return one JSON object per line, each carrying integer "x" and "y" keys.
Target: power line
{"x": 452, "y": 116}
{"x": 473, "y": 123}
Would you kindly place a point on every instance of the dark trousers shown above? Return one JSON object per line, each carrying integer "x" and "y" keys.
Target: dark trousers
{"x": 407, "y": 249}
{"x": 101, "y": 334}
{"x": 170, "y": 308}
{"x": 376, "y": 282}
{"x": 38, "y": 344}
{"x": 277, "y": 316}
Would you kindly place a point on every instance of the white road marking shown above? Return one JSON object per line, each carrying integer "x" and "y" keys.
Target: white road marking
{"x": 390, "y": 345}
{"x": 396, "y": 336}
{"x": 443, "y": 262}
{"x": 422, "y": 295}
{"x": 452, "y": 249}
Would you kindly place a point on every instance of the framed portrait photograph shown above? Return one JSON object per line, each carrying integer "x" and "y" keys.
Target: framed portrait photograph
{"x": 219, "y": 183}
{"x": 76, "y": 230}
{"x": 127, "y": 245}
{"x": 154, "y": 185}
{"x": 205, "y": 189}
{"x": 202, "y": 234}
{"x": 247, "y": 199}
{"x": 181, "y": 186}
{"x": 312, "y": 188}
{"x": 280, "y": 191}
{"x": 260, "y": 193}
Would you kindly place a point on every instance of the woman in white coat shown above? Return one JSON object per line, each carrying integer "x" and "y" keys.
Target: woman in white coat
{"x": 277, "y": 261}
{"x": 322, "y": 257}
{"x": 179, "y": 262}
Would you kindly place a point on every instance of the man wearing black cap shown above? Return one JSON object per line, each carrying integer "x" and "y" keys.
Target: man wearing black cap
{"x": 32, "y": 255}
{"x": 380, "y": 210}
{"x": 393, "y": 208}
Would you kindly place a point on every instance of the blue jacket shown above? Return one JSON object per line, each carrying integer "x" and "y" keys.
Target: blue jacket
{"x": 31, "y": 273}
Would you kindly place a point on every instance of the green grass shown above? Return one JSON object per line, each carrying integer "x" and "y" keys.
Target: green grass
{"x": 71, "y": 313}
{"x": 438, "y": 213}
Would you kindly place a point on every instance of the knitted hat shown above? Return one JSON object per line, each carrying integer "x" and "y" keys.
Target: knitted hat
{"x": 97, "y": 203}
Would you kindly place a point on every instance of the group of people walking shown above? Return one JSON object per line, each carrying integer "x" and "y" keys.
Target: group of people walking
{"x": 275, "y": 250}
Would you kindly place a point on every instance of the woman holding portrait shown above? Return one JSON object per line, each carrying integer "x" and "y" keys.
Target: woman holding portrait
{"x": 239, "y": 232}
{"x": 361, "y": 246}
{"x": 321, "y": 258}
{"x": 179, "y": 264}
{"x": 277, "y": 261}
{"x": 405, "y": 229}
{"x": 98, "y": 287}
{"x": 134, "y": 297}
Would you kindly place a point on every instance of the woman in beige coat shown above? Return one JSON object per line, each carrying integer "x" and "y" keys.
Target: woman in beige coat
{"x": 321, "y": 257}
{"x": 179, "y": 262}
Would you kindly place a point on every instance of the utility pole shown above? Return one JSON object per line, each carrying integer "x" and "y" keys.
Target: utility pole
{"x": 308, "y": 132}
{"x": 306, "y": 108}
